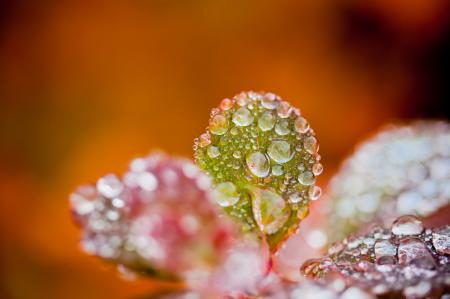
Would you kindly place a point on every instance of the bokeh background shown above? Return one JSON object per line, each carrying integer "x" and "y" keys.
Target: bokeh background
{"x": 87, "y": 85}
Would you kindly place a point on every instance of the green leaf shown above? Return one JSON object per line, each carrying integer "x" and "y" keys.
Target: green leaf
{"x": 262, "y": 156}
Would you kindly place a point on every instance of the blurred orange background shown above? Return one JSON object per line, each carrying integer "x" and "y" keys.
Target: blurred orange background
{"x": 87, "y": 85}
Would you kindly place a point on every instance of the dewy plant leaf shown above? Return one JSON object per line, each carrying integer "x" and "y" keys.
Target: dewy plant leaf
{"x": 262, "y": 156}
{"x": 401, "y": 170}
{"x": 407, "y": 260}
{"x": 158, "y": 220}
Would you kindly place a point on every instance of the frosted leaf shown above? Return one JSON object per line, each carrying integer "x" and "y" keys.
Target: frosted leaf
{"x": 159, "y": 220}
{"x": 401, "y": 170}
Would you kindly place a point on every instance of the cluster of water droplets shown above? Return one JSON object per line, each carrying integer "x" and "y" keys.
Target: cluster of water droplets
{"x": 274, "y": 288}
{"x": 406, "y": 260}
{"x": 259, "y": 140}
{"x": 402, "y": 170}
{"x": 158, "y": 219}
{"x": 335, "y": 288}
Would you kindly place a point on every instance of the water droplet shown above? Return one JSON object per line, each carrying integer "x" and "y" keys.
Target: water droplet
{"x": 269, "y": 210}
{"x": 311, "y": 268}
{"x": 294, "y": 197}
{"x": 306, "y": 178}
{"x": 213, "y": 151}
{"x": 266, "y": 121}
{"x": 410, "y": 249}
{"x": 235, "y": 164}
{"x": 279, "y": 151}
{"x": 118, "y": 203}
{"x": 424, "y": 262}
{"x": 242, "y": 117}
{"x": 242, "y": 99}
{"x": 380, "y": 289}
{"x": 205, "y": 140}
{"x": 218, "y": 125}
{"x": 419, "y": 290}
{"x": 237, "y": 154}
{"x": 226, "y": 194}
{"x": 385, "y": 261}
{"x": 282, "y": 127}
{"x": 109, "y": 186}
{"x": 384, "y": 248}
{"x": 355, "y": 293}
{"x": 314, "y": 192}
{"x": 226, "y": 104}
{"x": 317, "y": 169}
{"x": 112, "y": 215}
{"x": 310, "y": 144}
{"x": 138, "y": 165}
{"x": 407, "y": 225}
{"x": 441, "y": 240}
{"x": 254, "y": 95}
{"x": 234, "y": 131}
{"x": 301, "y": 125}
{"x": 284, "y": 109}
{"x": 268, "y": 101}
{"x": 82, "y": 201}
{"x": 147, "y": 181}
{"x": 277, "y": 170}
{"x": 258, "y": 164}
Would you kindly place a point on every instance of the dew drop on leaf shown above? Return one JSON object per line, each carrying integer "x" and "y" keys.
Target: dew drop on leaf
{"x": 242, "y": 117}
{"x": 226, "y": 104}
{"x": 258, "y": 164}
{"x": 218, "y": 125}
{"x": 282, "y": 127}
{"x": 317, "y": 169}
{"x": 266, "y": 121}
{"x": 310, "y": 144}
{"x": 226, "y": 194}
{"x": 279, "y": 151}
{"x": 407, "y": 225}
{"x": 284, "y": 109}
{"x": 306, "y": 178}
{"x": 277, "y": 170}
{"x": 410, "y": 249}
{"x": 294, "y": 197}
{"x": 109, "y": 186}
{"x": 301, "y": 125}
{"x": 269, "y": 210}
{"x": 213, "y": 151}
{"x": 268, "y": 101}
{"x": 384, "y": 248}
{"x": 314, "y": 192}
{"x": 441, "y": 240}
